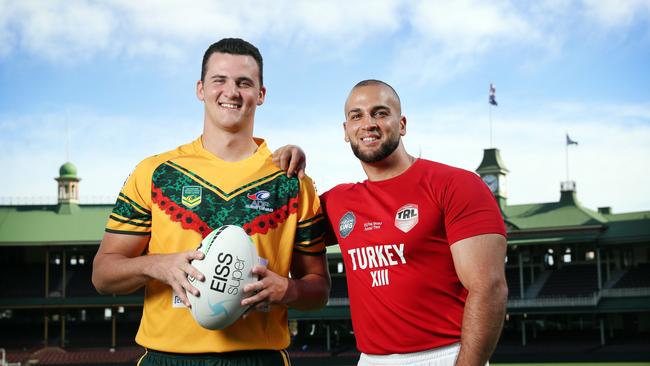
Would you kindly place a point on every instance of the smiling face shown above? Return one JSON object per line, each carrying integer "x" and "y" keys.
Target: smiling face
{"x": 231, "y": 92}
{"x": 373, "y": 122}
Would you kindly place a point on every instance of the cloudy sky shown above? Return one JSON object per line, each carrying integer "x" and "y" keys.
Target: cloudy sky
{"x": 105, "y": 84}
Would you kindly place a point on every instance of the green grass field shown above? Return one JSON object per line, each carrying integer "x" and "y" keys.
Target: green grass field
{"x": 575, "y": 364}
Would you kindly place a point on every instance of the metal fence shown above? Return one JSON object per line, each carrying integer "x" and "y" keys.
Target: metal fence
{"x": 52, "y": 200}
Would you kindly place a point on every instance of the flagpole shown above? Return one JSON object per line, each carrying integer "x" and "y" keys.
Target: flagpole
{"x": 492, "y": 102}
{"x": 566, "y": 159}
{"x": 67, "y": 137}
{"x": 490, "y": 107}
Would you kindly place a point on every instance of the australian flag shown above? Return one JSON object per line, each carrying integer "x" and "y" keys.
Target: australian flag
{"x": 493, "y": 91}
{"x": 569, "y": 141}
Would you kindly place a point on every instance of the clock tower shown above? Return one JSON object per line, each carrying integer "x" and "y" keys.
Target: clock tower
{"x": 493, "y": 172}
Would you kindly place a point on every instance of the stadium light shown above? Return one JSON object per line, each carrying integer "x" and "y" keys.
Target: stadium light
{"x": 108, "y": 313}
{"x": 82, "y": 260}
{"x": 73, "y": 261}
{"x": 567, "y": 256}
{"x": 549, "y": 259}
{"x": 339, "y": 267}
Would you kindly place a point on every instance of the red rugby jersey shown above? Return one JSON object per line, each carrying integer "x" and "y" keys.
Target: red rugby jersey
{"x": 395, "y": 238}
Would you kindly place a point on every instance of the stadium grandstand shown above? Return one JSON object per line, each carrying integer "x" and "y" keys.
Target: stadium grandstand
{"x": 578, "y": 279}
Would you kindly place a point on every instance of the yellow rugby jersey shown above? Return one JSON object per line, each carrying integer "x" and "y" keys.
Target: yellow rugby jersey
{"x": 178, "y": 198}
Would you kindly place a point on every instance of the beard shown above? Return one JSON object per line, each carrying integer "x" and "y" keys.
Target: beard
{"x": 381, "y": 153}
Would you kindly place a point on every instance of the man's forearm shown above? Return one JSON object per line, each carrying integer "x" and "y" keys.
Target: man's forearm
{"x": 482, "y": 324}
{"x": 309, "y": 292}
{"x": 120, "y": 275}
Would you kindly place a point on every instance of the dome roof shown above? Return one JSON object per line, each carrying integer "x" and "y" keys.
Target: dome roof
{"x": 68, "y": 170}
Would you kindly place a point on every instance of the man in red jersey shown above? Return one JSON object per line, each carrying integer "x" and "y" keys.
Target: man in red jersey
{"x": 423, "y": 245}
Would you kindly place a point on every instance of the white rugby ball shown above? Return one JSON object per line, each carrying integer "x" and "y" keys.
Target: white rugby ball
{"x": 230, "y": 256}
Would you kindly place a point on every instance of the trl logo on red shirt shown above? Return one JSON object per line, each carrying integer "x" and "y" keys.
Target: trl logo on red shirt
{"x": 407, "y": 217}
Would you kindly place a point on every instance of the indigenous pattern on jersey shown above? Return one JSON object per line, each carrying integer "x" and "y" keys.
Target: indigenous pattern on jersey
{"x": 178, "y": 198}
{"x": 395, "y": 237}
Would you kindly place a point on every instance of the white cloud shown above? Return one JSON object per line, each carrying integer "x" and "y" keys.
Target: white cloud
{"x": 77, "y": 30}
{"x": 65, "y": 31}
{"x": 616, "y": 13}
{"x": 450, "y": 38}
{"x": 467, "y": 26}
{"x": 438, "y": 39}
{"x": 6, "y": 37}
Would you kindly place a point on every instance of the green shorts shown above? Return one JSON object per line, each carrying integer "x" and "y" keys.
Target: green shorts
{"x": 237, "y": 358}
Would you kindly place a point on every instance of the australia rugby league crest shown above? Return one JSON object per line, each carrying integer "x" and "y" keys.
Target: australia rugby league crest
{"x": 191, "y": 196}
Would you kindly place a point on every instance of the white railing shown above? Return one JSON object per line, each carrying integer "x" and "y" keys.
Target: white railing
{"x": 551, "y": 301}
{"x": 579, "y": 301}
{"x": 31, "y": 200}
{"x": 626, "y": 292}
{"x": 554, "y": 301}
{"x": 338, "y": 301}
{"x": 52, "y": 200}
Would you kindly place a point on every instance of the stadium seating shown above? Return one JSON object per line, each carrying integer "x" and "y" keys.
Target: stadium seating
{"x": 638, "y": 276}
{"x": 80, "y": 284}
{"x": 512, "y": 278}
{"x": 575, "y": 280}
{"x": 339, "y": 288}
{"x": 22, "y": 280}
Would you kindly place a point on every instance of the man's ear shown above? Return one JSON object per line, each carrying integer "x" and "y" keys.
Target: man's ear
{"x": 345, "y": 133}
{"x": 199, "y": 90}
{"x": 261, "y": 96}
{"x": 402, "y": 126}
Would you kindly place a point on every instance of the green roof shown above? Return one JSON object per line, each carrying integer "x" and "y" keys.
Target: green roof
{"x": 567, "y": 221}
{"x": 567, "y": 212}
{"x": 562, "y": 222}
{"x": 68, "y": 171}
{"x": 53, "y": 224}
{"x": 627, "y": 228}
{"x": 492, "y": 162}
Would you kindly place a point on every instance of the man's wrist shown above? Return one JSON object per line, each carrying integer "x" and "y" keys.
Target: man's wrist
{"x": 291, "y": 293}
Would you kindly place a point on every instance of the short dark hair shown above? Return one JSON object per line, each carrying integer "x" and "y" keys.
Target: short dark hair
{"x": 377, "y": 82}
{"x": 233, "y": 46}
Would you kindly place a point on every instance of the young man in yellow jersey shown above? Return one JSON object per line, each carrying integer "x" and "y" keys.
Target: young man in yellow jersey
{"x": 173, "y": 200}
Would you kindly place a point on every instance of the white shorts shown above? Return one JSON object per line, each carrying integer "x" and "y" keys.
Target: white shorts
{"x": 441, "y": 356}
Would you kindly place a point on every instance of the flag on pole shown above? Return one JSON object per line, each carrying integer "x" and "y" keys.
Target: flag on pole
{"x": 493, "y": 91}
{"x": 569, "y": 141}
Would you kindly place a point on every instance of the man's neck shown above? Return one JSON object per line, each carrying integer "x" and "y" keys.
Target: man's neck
{"x": 229, "y": 147}
{"x": 395, "y": 164}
